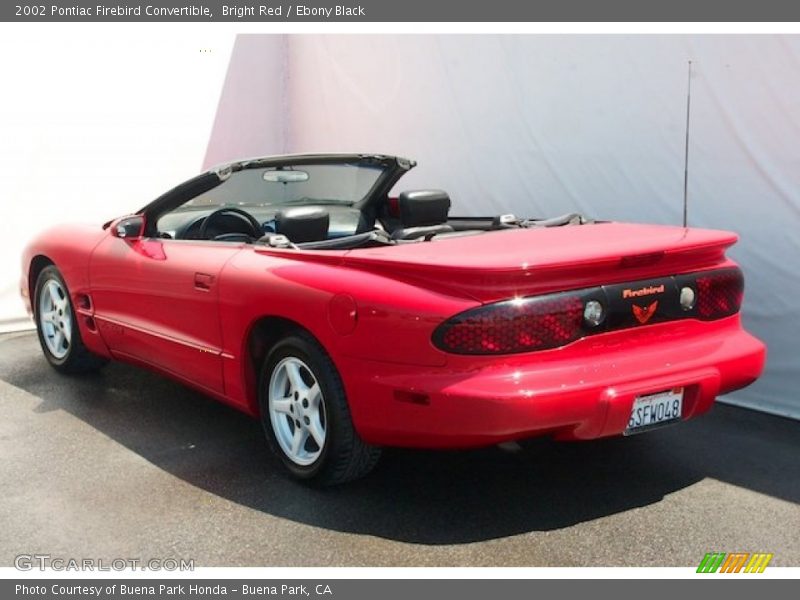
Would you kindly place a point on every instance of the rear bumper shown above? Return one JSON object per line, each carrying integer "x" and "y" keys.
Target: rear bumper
{"x": 583, "y": 391}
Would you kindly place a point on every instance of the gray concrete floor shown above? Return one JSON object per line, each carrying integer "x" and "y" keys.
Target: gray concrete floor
{"x": 128, "y": 464}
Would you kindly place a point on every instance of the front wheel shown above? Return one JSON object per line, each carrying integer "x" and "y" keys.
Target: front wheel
{"x": 305, "y": 415}
{"x": 57, "y": 326}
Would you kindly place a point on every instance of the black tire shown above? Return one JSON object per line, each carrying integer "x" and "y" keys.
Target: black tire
{"x": 343, "y": 456}
{"x": 77, "y": 359}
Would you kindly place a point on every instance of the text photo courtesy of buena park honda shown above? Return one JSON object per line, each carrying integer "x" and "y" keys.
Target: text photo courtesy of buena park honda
{"x": 399, "y": 300}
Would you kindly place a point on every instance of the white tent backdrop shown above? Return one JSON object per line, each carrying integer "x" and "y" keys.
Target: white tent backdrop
{"x": 536, "y": 125}
{"x": 96, "y": 121}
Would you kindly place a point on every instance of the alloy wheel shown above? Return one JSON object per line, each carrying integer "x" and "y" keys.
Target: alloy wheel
{"x": 297, "y": 411}
{"x": 55, "y": 318}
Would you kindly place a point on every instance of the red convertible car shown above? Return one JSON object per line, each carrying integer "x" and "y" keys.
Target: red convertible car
{"x": 296, "y": 289}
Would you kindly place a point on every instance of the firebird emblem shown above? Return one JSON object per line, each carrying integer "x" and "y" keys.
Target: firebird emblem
{"x": 643, "y": 314}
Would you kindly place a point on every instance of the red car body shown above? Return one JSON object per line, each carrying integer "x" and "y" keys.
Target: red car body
{"x": 191, "y": 309}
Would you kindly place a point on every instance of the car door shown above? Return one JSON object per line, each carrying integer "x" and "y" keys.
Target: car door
{"x": 156, "y": 301}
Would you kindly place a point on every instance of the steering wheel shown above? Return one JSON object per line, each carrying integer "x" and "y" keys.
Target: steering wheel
{"x": 255, "y": 226}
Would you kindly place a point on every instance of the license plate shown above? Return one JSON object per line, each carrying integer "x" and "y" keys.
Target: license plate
{"x": 654, "y": 410}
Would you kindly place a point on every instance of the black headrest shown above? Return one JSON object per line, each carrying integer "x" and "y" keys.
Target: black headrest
{"x": 303, "y": 223}
{"x": 423, "y": 207}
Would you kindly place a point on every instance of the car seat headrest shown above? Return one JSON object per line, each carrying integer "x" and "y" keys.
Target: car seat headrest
{"x": 303, "y": 223}
{"x": 421, "y": 208}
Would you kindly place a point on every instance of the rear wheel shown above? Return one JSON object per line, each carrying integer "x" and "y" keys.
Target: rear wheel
{"x": 305, "y": 415}
{"x": 57, "y": 326}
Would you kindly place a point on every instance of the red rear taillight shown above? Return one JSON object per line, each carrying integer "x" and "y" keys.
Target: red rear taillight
{"x": 521, "y": 325}
{"x": 719, "y": 293}
{"x": 545, "y": 322}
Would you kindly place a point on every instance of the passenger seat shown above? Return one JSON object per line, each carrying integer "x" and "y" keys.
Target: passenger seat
{"x": 423, "y": 214}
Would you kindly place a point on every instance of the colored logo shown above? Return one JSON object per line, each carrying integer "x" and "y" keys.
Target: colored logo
{"x": 734, "y": 562}
{"x": 645, "y": 291}
{"x": 643, "y": 314}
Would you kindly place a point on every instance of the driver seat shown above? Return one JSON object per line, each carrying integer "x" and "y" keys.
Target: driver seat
{"x": 303, "y": 224}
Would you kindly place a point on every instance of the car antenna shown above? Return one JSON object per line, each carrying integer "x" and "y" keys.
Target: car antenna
{"x": 686, "y": 149}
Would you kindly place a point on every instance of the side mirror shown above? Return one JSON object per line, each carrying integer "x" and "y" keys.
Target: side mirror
{"x": 129, "y": 228}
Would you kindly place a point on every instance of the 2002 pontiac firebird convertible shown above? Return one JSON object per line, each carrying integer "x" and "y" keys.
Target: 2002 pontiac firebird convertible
{"x": 296, "y": 289}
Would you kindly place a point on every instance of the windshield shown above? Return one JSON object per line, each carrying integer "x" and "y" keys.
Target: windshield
{"x": 341, "y": 183}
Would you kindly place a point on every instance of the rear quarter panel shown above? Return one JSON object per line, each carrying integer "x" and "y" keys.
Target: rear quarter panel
{"x": 393, "y": 322}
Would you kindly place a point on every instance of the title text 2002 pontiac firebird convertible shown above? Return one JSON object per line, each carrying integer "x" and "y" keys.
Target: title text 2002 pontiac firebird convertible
{"x": 297, "y": 290}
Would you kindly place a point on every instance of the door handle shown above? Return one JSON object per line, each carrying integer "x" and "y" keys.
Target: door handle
{"x": 203, "y": 281}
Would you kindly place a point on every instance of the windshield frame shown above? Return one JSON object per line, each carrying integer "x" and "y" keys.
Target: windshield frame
{"x": 394, "y": 168}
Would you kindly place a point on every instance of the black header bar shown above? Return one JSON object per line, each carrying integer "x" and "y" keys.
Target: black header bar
{"x": 404, "y": 11}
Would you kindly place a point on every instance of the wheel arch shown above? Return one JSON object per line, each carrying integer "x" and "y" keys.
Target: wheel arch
{"x": 263, "y": 334}
{"x": 37, "y": 265}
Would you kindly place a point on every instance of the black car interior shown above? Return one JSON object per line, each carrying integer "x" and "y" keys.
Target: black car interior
{"x": 414, "y": 216}
{"x": 316, "y": 201}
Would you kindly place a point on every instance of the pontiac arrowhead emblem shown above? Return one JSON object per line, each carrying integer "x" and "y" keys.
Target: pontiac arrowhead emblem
{"x": 643, "y": 314}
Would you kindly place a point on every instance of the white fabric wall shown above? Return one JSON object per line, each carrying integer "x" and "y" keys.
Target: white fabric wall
{"x": 96, "y": 121}
{"x": 541, "y": 125}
